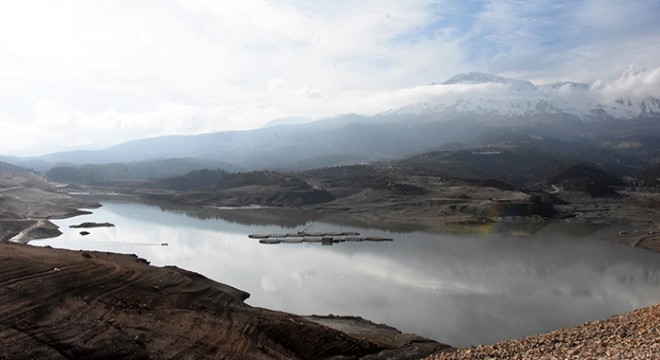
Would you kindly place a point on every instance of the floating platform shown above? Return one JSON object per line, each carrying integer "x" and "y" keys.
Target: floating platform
{"x": 303, "y": 234}
{"x": 325, "y": 240}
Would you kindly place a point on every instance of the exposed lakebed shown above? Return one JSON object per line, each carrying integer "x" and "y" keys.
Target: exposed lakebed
{"x": 457, "y": 289}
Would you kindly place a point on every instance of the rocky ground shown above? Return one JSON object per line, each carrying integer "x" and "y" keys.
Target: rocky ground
{"x": 635, "y": 335}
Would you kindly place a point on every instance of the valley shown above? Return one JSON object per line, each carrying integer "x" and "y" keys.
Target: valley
{"x": 361, "y": 197}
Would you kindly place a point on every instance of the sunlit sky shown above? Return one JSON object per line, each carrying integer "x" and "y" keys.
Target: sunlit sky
{"x": 88, "y": 74}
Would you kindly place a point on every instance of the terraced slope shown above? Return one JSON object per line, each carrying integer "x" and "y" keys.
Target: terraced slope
{"x": 61, "y": 304}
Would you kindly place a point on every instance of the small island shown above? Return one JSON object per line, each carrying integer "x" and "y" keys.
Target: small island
{"x": 87, "y": 225}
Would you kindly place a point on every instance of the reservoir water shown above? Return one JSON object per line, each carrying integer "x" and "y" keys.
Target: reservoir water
{"x": 458, "y": 289}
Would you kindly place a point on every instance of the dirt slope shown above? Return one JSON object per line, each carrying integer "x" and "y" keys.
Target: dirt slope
{"x": 61, "y": 304}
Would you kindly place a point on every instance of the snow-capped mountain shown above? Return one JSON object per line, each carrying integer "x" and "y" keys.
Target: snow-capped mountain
{"x": 495, "y": 98}
{"x": 476, "y": 77}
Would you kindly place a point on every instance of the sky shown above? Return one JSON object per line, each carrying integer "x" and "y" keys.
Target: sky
{"x": 86, "y": 74}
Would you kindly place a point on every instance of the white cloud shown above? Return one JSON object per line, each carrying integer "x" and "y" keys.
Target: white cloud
{"x": 238, "y": 64}
{"x": 75, "y": 129}
{"x": 576, "y": 40}
{"x": 636, "y": 85}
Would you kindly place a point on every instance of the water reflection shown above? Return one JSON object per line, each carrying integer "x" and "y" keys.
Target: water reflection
{"x": 458, "y": 289}
{"x": 298, "y": 218}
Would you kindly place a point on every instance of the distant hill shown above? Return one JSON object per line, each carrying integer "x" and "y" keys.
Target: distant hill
{"x": 101, "y": 173}
{"x": 220, "y": 179}
{"x": 294, "y": 120}
{"x": 585, "y": 178}
{"x": 514, "y": 165}
{"x": 605, "y": 153}
{"x": 6, "y": 168}
{"x": 319, "y": 144}
{"x": 522, "y": 166}
{"x": 264, "y": 188}
{"x": 353, "y": 176}
{"x": 649, "y": 176}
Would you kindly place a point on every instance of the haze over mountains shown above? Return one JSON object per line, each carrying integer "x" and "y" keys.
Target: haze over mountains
{"x": 474, "y": 109}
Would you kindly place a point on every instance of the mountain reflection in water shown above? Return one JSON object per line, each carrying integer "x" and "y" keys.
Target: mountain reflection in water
{"x": 510, "y": 280}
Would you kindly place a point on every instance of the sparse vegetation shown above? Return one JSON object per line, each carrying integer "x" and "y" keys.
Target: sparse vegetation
{"x": 585, "y": 178}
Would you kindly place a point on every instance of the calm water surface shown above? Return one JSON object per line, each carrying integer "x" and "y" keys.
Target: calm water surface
{"x": 457, "y": 289}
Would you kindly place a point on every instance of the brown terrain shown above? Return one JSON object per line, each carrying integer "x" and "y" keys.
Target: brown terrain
{"x": 68, "y": 304}
{"x": 62, "y": 304}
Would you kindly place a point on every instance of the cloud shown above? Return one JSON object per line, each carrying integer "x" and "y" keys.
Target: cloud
{"x": 569, "y": 40}
{"x": 389, "y": 100}
{"x": 77, "y": 129}
{"x": 636, "y": 85}
{"x": 243, "y": 63}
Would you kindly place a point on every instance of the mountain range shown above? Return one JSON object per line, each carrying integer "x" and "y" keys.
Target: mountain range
{"x": 469, "y": 110}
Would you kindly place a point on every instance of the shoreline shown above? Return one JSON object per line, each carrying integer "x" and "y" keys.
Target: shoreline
{"x": 30, "y": 229}
{"x": 28, "y": 205}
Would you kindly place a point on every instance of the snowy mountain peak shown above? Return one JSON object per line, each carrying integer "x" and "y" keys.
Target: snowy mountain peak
{"x": 520, "y": 100}
{"x": 476, "y": 77}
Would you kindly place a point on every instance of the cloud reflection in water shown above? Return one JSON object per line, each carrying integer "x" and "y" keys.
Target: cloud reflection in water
{"x": 458, "y": 289}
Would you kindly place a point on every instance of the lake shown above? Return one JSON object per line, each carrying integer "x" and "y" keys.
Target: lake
{"x": 460, "y": 289}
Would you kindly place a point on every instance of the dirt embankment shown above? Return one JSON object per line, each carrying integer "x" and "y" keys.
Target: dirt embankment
{"x": 61, "y": 304}
{"x": 27, "y": 204}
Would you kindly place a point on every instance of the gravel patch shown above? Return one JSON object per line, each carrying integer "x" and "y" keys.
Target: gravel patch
{"x": 635, "y": 335}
